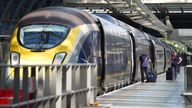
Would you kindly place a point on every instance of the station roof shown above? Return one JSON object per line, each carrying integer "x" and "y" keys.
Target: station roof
{"x": 162, "y": 16}
{"x": 133, "y": 9}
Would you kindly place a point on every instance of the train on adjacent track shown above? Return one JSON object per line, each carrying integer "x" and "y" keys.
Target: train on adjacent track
{"x": 61, "y": 35}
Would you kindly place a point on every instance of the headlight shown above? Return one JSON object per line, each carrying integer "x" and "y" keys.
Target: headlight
{"x": 15, "y": 58}
{"x": 59, "y": 57}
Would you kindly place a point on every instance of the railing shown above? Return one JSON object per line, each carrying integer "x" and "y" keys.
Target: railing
{"x": 50, "y": 86}
{"x": 188, "y": 84}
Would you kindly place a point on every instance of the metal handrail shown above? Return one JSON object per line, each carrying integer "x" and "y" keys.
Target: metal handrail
{"x": 52, "y": 82}
{"x": 47, "y": 98}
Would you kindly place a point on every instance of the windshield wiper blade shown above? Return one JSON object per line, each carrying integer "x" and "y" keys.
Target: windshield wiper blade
{"x": 43, "y": 40}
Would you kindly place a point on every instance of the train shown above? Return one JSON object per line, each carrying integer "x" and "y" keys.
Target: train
{"x": 62, "y": 35}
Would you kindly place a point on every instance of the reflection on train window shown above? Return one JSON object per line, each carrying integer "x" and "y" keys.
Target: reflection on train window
{"x": 42, "y": 36}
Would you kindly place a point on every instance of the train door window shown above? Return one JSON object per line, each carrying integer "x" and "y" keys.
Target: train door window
{"x": 168, "y": 54}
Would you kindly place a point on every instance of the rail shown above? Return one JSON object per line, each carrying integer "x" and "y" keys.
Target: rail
{"x": 49, "y": 86}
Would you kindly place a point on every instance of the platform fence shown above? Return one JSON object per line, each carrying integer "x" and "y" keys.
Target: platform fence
{"x": 187, "y": 85}
{"x": 48, "y": 86}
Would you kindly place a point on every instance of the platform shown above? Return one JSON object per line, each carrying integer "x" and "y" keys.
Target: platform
{"x": 162, "y": 94}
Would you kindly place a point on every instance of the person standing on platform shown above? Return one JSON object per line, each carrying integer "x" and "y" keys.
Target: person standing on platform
{"x": 175, "y": 65}
{"x": 144, "y": 65}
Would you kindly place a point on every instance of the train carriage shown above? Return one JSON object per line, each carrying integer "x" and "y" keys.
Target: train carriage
{"x": 117, "y": 46}
{"x": 118, "y": 49}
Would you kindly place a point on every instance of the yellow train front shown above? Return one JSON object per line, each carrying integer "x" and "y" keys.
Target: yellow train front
{"x": 51, "y": 36}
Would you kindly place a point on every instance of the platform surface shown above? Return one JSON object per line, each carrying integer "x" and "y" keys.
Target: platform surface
{"x": 162, "y": 94}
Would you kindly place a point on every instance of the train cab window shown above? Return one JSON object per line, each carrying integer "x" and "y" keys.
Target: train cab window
{"x": 40, "y": 37}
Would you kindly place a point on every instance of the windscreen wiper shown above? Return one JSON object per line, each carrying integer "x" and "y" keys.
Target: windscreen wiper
{"x": 42, "y": 41}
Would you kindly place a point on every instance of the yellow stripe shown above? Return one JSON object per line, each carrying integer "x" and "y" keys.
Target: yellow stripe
{"x": 70, "y": 41}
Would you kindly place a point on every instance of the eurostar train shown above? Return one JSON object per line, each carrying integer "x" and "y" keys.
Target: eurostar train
{"x": 60, "y": 35}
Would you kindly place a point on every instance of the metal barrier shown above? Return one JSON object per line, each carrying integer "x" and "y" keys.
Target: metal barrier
{"x": 51, "y": 86}
{"x": 188, "y": 84}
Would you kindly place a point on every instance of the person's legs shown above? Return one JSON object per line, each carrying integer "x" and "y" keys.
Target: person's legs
{"x": 174, "y": 72}
{"x": 178, "y": 71}
{"x": 142, "y": 74}
{"x": 146, "y": 71}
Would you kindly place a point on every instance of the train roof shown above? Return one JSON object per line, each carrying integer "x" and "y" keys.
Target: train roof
{"x": 166, "y": 45}
{"x": 108, "y": 18}
{"x": 157, "y": 41}
{"x": 138, "y": 34}
{"x": 57, "y": 15}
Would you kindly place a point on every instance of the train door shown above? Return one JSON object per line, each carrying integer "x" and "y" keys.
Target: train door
{"x": 133, "y": 51}
{"x": 132, "y": 57}
{"x": 165, "y": 56}
{"x": 153, "y": 59}
{"x": 127, "y": 57}
{"x": 101, "y": 56}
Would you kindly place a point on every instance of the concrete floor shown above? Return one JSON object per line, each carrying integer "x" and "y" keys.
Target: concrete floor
{"x": 162, "y": 94}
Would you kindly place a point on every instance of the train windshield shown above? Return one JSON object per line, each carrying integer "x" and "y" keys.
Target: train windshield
{"x": 40, "y": 37}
